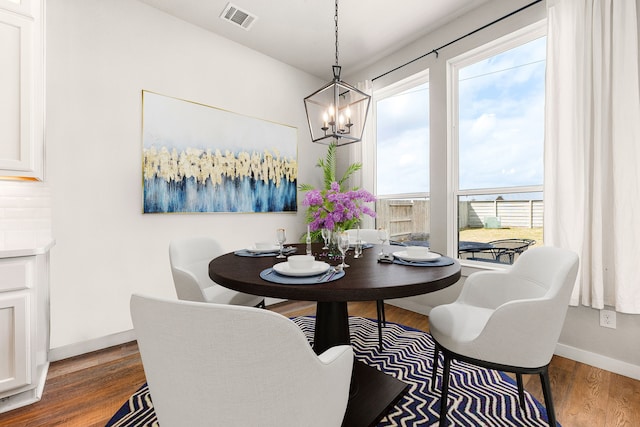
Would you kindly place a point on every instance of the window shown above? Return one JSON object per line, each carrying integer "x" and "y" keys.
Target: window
{"x": 402, "y": 159}
{"x": 498, "y": 112}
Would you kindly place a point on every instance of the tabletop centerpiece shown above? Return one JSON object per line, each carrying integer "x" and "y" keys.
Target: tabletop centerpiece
{"x": 335, "y": 207}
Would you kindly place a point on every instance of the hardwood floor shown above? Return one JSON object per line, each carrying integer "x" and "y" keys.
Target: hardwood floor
{"x": 87, "y": 390}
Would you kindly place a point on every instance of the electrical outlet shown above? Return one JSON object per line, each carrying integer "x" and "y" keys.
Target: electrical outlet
{"x": 608, "y": 319}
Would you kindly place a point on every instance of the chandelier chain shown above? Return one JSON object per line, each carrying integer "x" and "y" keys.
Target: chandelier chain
{"x": 335, "y": 18}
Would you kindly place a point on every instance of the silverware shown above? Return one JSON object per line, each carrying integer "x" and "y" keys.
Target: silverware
{"x": 326, "y": 274}
{"x": 417, "y": 262}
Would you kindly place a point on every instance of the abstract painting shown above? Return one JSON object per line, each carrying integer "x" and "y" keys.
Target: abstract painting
{"x": 198, "y": 158}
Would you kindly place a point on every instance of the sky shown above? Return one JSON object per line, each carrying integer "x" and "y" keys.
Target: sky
{"x": 403, "y": 142}
{"x": 501, "y": 126}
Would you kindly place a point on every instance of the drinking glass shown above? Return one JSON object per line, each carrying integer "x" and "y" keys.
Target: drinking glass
{"x": 383, "y": 235}
{"x": 343, "y": 246}
{"x": 281, "y": 237}
{"x": 326, "y": 236}
{"x": 357, "y": 251}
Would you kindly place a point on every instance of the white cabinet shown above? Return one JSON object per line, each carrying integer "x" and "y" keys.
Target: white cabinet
{"x": 21, "y": 88}
{"x": 15, "y": 360}
{"x": 24, "y": 273}
{"x": 24, "y": 326}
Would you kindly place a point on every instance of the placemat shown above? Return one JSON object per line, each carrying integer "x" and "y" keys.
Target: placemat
{"x": 248, "y": 253}
{"x": 270, "y": 275}
{"x": 440, "y": 262}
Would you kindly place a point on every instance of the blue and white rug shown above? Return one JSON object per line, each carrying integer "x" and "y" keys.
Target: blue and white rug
{"x": 477, "y": 396}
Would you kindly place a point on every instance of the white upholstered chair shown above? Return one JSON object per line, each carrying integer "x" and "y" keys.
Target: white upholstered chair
{"x": 370, "y": 235}
{"x": 224, "y": 365}
{"x": 189, "y": 258}
{"x": 507, "y": 320}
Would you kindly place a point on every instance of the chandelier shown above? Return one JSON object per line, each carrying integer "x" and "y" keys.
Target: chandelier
{"x": 338, "y": 111}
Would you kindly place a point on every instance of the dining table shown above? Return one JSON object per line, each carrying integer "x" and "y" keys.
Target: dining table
{"x": 373, "y": 393}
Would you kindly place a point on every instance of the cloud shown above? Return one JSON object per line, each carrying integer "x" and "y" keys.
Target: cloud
{"x": 501, "y": 123}
{"x": 402, "y": 164}
{"x": 500, "y": 128}
{"x": 483, "y": 125}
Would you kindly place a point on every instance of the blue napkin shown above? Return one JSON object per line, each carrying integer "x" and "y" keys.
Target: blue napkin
{"x": 271, "y": 275}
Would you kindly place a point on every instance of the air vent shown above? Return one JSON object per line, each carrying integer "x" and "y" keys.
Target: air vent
{"x": 237, "y": 16}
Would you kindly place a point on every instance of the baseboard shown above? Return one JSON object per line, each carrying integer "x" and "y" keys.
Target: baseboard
{"x": 599, "y": 361}
{"x": 96, "y": 344}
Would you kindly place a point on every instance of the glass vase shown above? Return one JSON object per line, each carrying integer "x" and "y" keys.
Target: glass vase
{"x": 333, "y": 243}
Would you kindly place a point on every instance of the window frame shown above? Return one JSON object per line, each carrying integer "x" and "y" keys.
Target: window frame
{"x": 396, "y": 88}
{"x": 480, "y": 53}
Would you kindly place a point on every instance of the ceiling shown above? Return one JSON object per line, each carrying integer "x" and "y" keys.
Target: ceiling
{"x": 301, "y": 33}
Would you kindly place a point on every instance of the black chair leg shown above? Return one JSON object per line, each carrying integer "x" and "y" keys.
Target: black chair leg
{"x": 381, "y": 320}
{"x": 548, "y": 400}
{"x": 520, "y": 390}
{"x": 445, "y": 391}
{"x": 381, "y": 313}
{"x": 434, "y": 372}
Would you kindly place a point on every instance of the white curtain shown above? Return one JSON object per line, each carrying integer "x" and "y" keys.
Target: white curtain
{"x": 592, "y": 147}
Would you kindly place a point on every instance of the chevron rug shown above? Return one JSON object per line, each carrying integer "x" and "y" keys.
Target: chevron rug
{"x": 477, "y": 397}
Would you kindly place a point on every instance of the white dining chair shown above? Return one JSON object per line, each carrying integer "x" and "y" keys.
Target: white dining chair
{"x": 509, "y": 320}
{"x": 370, "y": 235}
{"x": 223, "y": 365}
{"x": 189, "y": 259}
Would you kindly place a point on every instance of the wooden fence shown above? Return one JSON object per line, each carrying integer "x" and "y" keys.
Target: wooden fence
{"x": 505, "y": 213}
{"x": 403, "y": 217}
{"x": 406, "y": 216}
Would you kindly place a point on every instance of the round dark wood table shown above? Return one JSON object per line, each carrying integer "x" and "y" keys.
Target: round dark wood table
{"x": 365, "y": 280}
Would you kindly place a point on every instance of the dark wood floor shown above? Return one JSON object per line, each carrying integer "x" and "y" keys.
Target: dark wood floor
{"x": 86, "y": 390}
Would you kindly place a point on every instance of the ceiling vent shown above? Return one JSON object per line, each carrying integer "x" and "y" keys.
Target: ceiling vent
{"x": 237, "y": 16}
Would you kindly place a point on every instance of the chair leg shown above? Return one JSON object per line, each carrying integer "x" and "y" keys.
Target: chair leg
{"x": 381, "y": 314}
{"x": 381, "y": 321}
{"x": 548, "y": 400}
{"x": 434, "y": 372}
{"x": 520, "y": 390}
{"x": 445, "y": 391}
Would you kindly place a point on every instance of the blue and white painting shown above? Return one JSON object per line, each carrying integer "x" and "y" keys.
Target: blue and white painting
{"x": 197, "y": 158}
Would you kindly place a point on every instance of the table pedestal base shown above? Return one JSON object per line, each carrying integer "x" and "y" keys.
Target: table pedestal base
{"x": 332, "y": 326}
{"x": 373, "y": 393}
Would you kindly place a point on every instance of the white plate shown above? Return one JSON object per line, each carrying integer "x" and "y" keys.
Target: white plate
{"x": 431, "y": 256}
{"x": 353, "y": 243}
{"x": 284, "y": 268}
{"x": 254, "y": 250}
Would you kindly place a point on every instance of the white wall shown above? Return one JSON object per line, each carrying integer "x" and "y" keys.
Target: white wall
{"x": 582, "y": 338}
{"x": 100, "y": 56}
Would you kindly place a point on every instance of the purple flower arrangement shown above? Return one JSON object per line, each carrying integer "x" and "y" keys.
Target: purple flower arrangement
{"x": 333, "y": 209}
